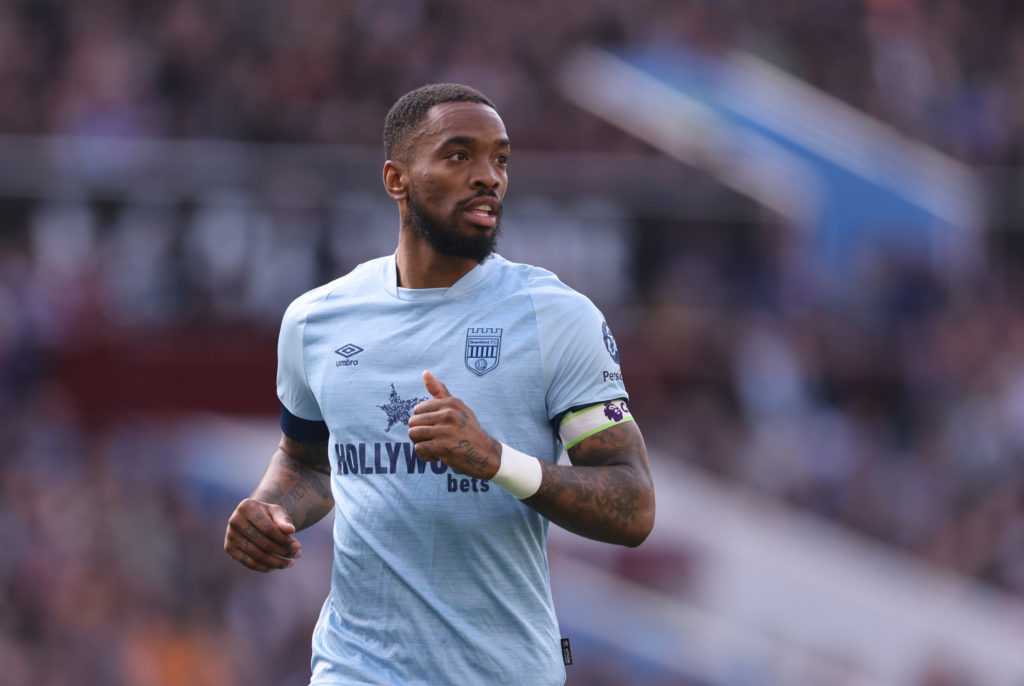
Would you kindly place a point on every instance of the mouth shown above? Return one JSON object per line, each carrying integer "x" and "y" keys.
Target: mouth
{"x": 483, "y": 212}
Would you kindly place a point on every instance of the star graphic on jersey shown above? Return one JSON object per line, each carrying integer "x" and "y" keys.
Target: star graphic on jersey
{"x": 398, "y": 410}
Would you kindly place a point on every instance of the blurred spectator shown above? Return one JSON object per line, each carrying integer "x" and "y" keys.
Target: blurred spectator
{"x": 324, "y": 71}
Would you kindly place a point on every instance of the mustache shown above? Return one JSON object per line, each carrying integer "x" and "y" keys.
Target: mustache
{"x": 482, "y": 194}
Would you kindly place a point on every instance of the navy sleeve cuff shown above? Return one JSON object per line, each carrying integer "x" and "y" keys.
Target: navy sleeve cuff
{"x": 303, "y": 430}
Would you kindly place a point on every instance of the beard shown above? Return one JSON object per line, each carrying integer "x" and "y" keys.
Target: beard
{"x": 444, "y": 236}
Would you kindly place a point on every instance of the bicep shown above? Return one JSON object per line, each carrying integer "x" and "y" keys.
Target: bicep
{"x": 619, "y": 444}
{"x": 607, "y": 494}
{"x": 310, "y": 455}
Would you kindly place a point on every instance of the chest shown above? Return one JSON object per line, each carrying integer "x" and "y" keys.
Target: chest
{"x": 365, "y": 364}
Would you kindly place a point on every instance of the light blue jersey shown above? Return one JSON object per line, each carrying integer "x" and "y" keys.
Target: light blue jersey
{"x": 439, "y": 578}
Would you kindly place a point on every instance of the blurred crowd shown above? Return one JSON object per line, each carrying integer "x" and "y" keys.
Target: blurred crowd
{"x": 113, "y": 571}
{"x": 325, "y": 71}
{"x": 898, "y": 412}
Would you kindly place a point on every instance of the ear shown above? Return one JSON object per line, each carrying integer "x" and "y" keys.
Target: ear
{"x": 396, "y": 179}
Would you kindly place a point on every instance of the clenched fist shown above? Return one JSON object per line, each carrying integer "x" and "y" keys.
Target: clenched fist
{"x": 259, "y": 535}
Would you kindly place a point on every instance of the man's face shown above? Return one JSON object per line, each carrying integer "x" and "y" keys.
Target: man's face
{"x": 457, "y": 178}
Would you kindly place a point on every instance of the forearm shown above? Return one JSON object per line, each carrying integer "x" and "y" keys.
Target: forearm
{"x": 607, "y": 494}
{"x": 304, "y": 492}
{"x": 610, "y": 503}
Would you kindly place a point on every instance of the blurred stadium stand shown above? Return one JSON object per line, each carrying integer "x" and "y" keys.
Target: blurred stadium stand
{"x": 837, "y": 428}
{"x": 839, "y": 177}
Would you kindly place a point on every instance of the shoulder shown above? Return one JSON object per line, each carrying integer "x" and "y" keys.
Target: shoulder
{"x": 556, "y": 302}
{"x": 299, "y": 310}
{"x": 543, "y": 287}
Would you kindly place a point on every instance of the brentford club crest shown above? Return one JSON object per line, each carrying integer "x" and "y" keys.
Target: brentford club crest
{"x": 483, "y": 349}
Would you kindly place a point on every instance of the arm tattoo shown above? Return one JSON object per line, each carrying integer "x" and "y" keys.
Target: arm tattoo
{"x": 601, "y": 497}
{"x": 298, "y": 479}
{"x": 607, "y": 493}
{"x": 471, "y": 454}
{"x": 311, "y": 455}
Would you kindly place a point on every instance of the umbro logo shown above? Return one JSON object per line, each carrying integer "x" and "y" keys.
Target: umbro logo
{"x": 347, "y": 351}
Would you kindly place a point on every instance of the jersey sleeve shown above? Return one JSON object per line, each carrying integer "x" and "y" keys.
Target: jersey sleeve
{"x": 578, "y": 350}
{"x": 292, "y": 385}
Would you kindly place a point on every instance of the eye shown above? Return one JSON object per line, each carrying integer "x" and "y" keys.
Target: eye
{"x": 503, "y": 160}
{"x": 458, "y": 155}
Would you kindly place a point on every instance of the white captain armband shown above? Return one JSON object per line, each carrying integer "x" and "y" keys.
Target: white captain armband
{"x": 583, "y": 423}
{"x": 518, "y": 473}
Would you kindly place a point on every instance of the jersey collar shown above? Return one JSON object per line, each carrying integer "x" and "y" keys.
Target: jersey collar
{"x": 469, "y": 281}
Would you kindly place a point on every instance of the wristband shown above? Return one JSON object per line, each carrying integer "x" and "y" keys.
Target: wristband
{"x": 519, "y": 473}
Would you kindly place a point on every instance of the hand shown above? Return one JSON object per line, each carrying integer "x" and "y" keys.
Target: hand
{"x": 259, "y": 535}
{"x": 444, "y": 428}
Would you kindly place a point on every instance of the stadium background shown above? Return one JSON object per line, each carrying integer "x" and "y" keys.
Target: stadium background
{"x": 834, "y": 405}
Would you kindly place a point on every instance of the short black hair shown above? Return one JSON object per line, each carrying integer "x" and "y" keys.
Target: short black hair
{"x": 407, "y": 113}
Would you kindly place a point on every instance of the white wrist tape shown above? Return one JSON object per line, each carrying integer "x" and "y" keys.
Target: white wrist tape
{"x": 518, "y": 473}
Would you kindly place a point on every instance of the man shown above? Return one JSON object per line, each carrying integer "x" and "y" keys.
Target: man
{"x": 442, "y": 496}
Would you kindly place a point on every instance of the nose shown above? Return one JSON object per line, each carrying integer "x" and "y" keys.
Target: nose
{"x": 487, "y": 175}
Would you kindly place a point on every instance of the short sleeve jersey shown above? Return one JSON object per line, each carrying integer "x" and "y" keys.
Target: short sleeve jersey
{"x": 438, "y": 578}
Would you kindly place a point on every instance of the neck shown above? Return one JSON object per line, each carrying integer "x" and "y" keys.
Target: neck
{"x": 419, "y": 265}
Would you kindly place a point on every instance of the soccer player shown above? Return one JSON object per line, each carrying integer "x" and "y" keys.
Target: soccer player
{"x": 425, "y": 397}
